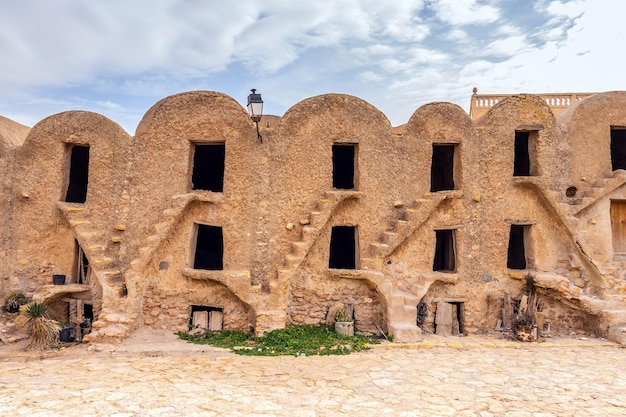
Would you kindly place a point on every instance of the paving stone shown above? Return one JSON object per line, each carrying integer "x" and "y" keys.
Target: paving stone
{"x": 483, "y": 378}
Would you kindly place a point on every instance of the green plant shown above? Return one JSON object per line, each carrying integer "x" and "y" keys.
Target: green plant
{"x": 341, "y": 316}
{"x": 302, "y": 340}
{"x": 43, "y": 331}
{"x": 15, "y": 300}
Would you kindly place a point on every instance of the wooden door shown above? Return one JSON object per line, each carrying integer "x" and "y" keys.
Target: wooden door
{"x": 618, "y": 225}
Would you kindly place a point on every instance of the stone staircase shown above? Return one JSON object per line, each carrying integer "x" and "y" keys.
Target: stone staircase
{"x": 100, "y": 249}
{"x": 310, "y": 228}
{"x": 409, "y": 220}
{"x": 402, "y": 305}
{"x": 598, "y": 190}
{"x": 273, "y": 315}
{"x": 167, "y": 220}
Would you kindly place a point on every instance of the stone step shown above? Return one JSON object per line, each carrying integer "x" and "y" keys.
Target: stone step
{"x": 372, "y": 263}
{"x": 405, "y": 333}
{"x": 292, "y": 261}
{"x": 318, "y": 218}
{"x": 308, "y": 232}
{"x": 378, "y": 249}
{"x": 114, "y": 317}
{"x": 614, "y": 316}
{"x": 322, "y": 205}
{"x": 79, "y": 222}
{"x": 113, "y": 276}
{"x": 299, "y": 248}
{"x": 617, "y": 334}
{"x": 113, "y": 333}
{"x": 390, "y": 236}
{"x": 401, "y": 227}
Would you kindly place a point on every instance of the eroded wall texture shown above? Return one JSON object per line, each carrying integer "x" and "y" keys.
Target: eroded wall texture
{"x": 330, "y": 208}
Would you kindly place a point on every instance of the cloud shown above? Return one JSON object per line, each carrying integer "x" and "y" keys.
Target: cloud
{"x": 464, "y": 12}
{"x": 108, "y": 105}
{"x": 120, "y": 57}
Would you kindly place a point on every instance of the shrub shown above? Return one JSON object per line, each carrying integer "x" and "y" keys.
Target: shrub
{"x": 302, "y": 340}
{"x": 43, "y": 332}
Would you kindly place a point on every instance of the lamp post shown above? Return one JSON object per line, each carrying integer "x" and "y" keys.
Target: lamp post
{"x": 255, "y": 108}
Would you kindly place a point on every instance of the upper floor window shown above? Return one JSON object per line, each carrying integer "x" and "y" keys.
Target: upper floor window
{"x": 525, "y": 163}
{"x": 78, "y": 174}
{"x": 442, "y": 167}
{"x": 518, "y": 250}
{"x": 445, "y": 252}
{"x": 209, "y": 247}
{"x": 618, "y": 148}
{"x": 344, "y": 166}
{"x": 343, "y": 247}
{"x": 208, "y": 167}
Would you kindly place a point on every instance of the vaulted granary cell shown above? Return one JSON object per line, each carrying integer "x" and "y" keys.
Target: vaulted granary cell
{"x": 445, "y": 254}
{"x": 209, "y": 251}
{"x": 618, "y": 148}
{"x": 516, "y": 257}
{"x": 442, "y": 168}
{"x": 344, "y": 166}
{"x": 78, "y": 174}
{"x": 343, "y": 247}
{"x": 208, "y": 167}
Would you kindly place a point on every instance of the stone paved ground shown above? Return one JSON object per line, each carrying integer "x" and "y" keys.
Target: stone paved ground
{"x": 161, "y": 376}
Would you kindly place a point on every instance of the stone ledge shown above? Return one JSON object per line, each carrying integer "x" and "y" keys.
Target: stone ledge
{"x": 49, "y": 292}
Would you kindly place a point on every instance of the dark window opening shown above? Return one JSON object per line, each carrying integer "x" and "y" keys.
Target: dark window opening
{"x": 516, "y": 257}
{"x": 618, "y": 148}
{"x": 88, "y": 312}
{"x": 82, "y": 264}
{"x": 521, "y": 166}
{"x": 79, "y": 175}
{"x": 209, "y": 248}
{"x": 343, "y": 247}
{"x": 208, "y": 167}
{"x": 207, "y": 317}
{"x": 445, "y": 257}
{"x": 343, "y": 166}
{"x": 442, "y": 168}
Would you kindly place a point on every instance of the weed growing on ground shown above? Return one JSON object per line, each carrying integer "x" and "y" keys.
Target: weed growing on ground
{"x": 302, "y": 340}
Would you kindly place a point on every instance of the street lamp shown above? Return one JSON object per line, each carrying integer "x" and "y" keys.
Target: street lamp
{"x": 255, "y": 108}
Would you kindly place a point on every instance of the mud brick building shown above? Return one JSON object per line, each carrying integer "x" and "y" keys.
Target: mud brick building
{"x": 194, "y": 218}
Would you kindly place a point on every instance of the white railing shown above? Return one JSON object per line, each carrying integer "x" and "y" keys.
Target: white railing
{"x": 481, "y": 103}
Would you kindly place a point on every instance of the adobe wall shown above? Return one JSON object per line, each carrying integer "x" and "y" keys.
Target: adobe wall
{"x": 278, "y": 208}
{"x": 43, "y": 239}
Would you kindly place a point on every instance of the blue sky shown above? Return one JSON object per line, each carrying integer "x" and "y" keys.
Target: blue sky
{"x": 119, "y": 57}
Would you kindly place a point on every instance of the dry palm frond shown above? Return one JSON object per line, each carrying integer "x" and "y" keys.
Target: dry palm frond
{"x": 43, "y": 332}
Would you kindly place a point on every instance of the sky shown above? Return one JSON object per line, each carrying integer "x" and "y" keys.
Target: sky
{"x": 119, "y": 57}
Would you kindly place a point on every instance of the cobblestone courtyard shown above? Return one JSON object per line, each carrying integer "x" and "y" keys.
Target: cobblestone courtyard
{"x": 439, "y": 377}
